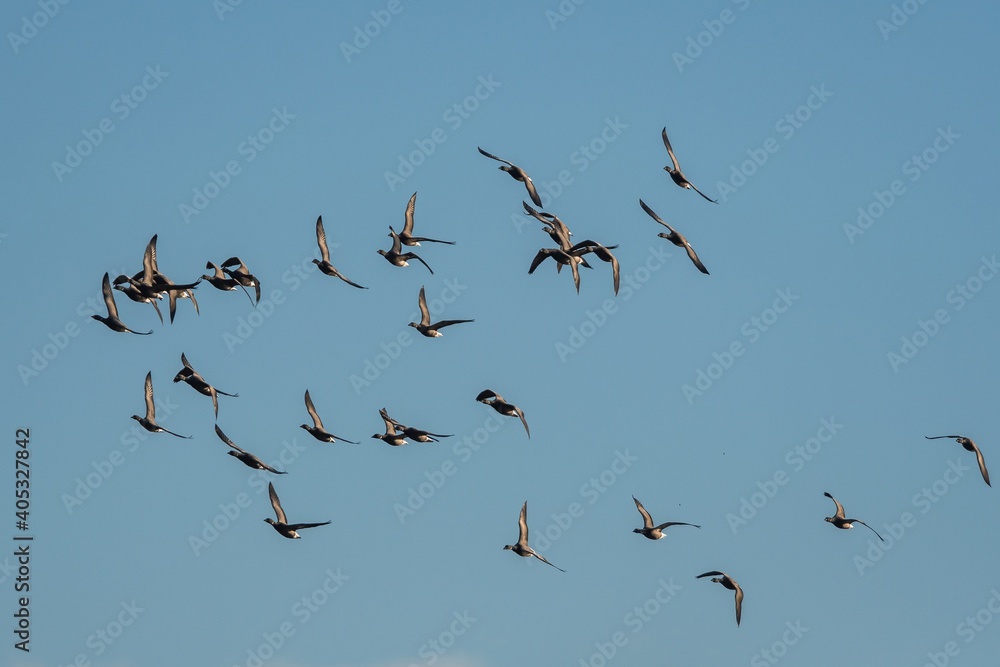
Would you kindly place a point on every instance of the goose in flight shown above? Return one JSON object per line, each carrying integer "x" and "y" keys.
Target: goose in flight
{"x": 969, "y": 446}
{"x": 521, "y": 548}
{"x": 396, "y": 257}
{"x": 246, "y": 457}
{"x": 728, "y": 583}
{"x": 324, "y": 265}
{"x": 840, "y": 520}
{"x": 517, "y": 174}
{"x": 406, "y": 236}
{"x": 497, "y": 402}
{"x": 190, "y": 376}
{"x": 425, "y": 327}
{"x": 650, "y": 531}
{"x": 112, "y": 321}
{"x": 316, "y": 430}
{"x": 285, "y": 529}
{"x": 674, "y": 169}
{"x": 676, "y": 238}
{"x": 148, "y": 421}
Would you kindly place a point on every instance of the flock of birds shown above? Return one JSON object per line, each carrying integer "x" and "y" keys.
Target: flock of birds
{"x": 149, "y": 286}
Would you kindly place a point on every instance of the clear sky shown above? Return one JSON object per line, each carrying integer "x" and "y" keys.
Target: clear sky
{"x": 851, "y": 310}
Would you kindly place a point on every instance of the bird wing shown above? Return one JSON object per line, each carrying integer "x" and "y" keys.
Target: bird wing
{"x": 670, "y": 151}
{"x": 321, "y": 239}
{"x": 868, "y": 527}
{"x": 185, "y": 362}
{"x": 415, "y": 256}
{"x": 840, "y": 508}
{"x": 938, "y": 437}
{"x": 739, "y": 602}
{"x": 647, "y": 521}
{"x": 542, "y": 558}
{"x": 714, "y": 201}
{"x": 150, "y": 407}
{"x": 539, "y": 258}
{"x": 109, "y": 297}
{"x": 408, "y": 223}
{"x": 494, "y": 157}
{"x": 149, "y": 262}
{"x": 486, "y": 394}
{"x": 300, "y": 526}
{"x": 713, "y": 573}
{"x": 533, "y": 194}
{"x": 276, "y": 504}
{"x": 653, "y": 215}
{"x": 520, "y": 413}
{"x": 317, "y": 422}
{"x": 694, "y": 257}
{"x": 425, "y": 316}
{"x": 397, "y": 245}
{"x": 522, "y": 525}
{"x": 225, "y": 439}
{"x": 675, "y": 523}
{"x": 982, "y": 464}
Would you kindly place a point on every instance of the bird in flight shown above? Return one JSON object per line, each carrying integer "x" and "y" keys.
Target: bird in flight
{"x": 406, "y": 236}
{"x": 285, "y": 529}
{"x": 521, "y": 548}
{"x": 676, "y": 238}
{"x": 497, "y": 402}
{"x": 391, "y": 435}
{"x": 415, "y": 434}
{"x": 246, "y": 457}
{"x": 148, "y": 422}
{"x": 674, "y": 169}
{"x": 517, "y": 174}
{"x": 969, "y": 446}
{"x": 729, "y": 583}
{"x": 840, "y": 520}
{"x": 112, "y": 321}
{"x": 316, "y": 430}
{"x": 193, "y": 378}
{"x": 648, "y": 529}
{"x": 324, "y": 265}
{"x": 425, "y": 327}
{"x": 238, "y": 271}
{"x": 396, "y": 257}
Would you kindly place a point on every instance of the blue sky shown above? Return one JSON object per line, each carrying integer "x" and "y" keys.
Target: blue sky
{"x": 849, "y": 313}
